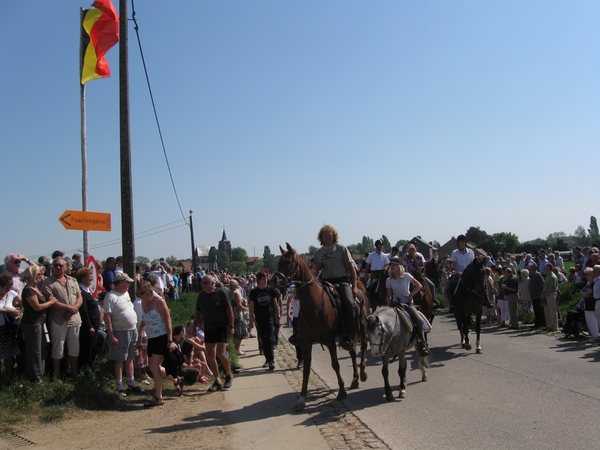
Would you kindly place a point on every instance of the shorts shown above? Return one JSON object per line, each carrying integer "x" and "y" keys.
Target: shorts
{"x": 126, "y": 348}
{"x": 215, "y": 334}
{"x": 157, "y": 345}
{"x": 59, "y": 334}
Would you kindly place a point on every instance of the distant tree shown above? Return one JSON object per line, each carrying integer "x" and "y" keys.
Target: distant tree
{"x": 505, "y": 242}
{"x": 368, "y": 244}
{"x": 477, "y": 237}
{"x": 142, "y": 260}
{"x": 269, "y": 259}
{"x": 172, "y": 261}
{"x": 312, "y": 250}
{"x": 239, "y": 254}
{"x": 238, "y": 267}
{"x": 401, "y": 243}
{"x": 387, "y": 246}
{"x": 593, "y": 230}
{"x": 580, "y": 235}
{"x": 354, "y": 248}
{"x": 222, "y": 258}
{"x": 256, "y": 267}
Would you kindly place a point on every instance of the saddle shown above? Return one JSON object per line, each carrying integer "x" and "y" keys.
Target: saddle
{"x": 334, "y": 295}
{"x": 406, "y": 319}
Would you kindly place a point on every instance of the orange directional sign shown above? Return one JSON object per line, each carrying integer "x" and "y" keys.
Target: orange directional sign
{"x": 85, "y": 220}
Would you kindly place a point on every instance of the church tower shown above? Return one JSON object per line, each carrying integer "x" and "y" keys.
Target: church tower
{"x": 224, "y": 244}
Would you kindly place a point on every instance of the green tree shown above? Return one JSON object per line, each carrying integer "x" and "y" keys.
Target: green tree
{"x": 387, "y": 246}
{"x": 172, "y": 261}
{"x": 401, "y": 243}
{"x": 269, "y": 259}
{"x": 237, "y": 267}
{"x": 367, "y": 244}
{"x": 312, "y": 250}
{"x": 220, "y": 257}
{"x": 477, "y": 237}
{"x": 593, "y": 230}
{"x": 580, "y": 235}
{"x": 256, "y": 267}
{"x": 505, "y": 242}
{"x": 142, "y": 260}
{"x": 239, "y": 254}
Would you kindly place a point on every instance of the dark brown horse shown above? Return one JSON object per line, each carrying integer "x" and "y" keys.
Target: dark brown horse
{"x": 379, "y": 296}
{"x": 425, "y": 298}
{"x": 468, "y": 298}
{"x": 320, "y": 321}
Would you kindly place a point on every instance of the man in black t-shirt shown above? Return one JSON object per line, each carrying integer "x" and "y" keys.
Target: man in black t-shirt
{"x": 265, "y": 309}
{"x": 213, "y": 308}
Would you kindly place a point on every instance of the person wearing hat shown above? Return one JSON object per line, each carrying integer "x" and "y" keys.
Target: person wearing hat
{"x": 376, "y": 264}
{"x": 398, "y": 292}
{"x": 121, "y": 327}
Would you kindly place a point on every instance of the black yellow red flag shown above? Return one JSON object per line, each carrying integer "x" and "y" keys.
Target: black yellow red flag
{"x": 99, "y": 32}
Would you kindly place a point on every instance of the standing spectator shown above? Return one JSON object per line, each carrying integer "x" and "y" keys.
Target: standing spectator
{"x": 214, "y": 311}
{"x": 536, "y": 287}
{"x": 587, "y": 294}
{"x": 510, "y": 286}
{"x": 77, "y": 263}
{"x": 9, "y": 300}
{"x": 156, "y": 321}
{"x": 64, "y": 318}
{"x": 501, "y": 302}
{"x": 597, "y": 291}
{"x": 119, "y": 266}
{"x": 524, "y": 297}
{"x": 293, "y": 311}
{"x": 91, "y": 338}
{"x": 140, "y": 360}
{"x": 264, "y": 307}
{"x": 490, "y": 290}
{"x": 549, "y": 298}
{"x": 12, "y": 262}
{"x": 108, "y": 274}
{"x": 239, "y": 308}
{"x": 35, "y": 308}
{"x": 560, "y": 263}
{"x": 121, "y": 327}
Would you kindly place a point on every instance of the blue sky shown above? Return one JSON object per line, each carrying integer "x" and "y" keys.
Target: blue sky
{"x": 397, "y": 118}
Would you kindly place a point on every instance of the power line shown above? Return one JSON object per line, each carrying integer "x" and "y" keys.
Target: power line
{"x": 136, "y": 28}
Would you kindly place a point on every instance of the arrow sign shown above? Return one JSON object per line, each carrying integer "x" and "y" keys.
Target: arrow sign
{"x": 85, "y": 220}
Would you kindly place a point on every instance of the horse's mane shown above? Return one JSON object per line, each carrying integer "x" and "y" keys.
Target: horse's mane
{"x": 473, "y": 275}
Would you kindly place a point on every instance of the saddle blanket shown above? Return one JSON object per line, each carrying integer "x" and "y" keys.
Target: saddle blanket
{"x": 408, "y": 322}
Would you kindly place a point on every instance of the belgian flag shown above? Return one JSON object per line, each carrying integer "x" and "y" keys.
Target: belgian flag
{"x": 99, "y": 32}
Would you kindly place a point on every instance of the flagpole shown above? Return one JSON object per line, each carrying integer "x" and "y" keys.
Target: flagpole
{"x": 126, "y": 182}
{"x": 84, "y": 180}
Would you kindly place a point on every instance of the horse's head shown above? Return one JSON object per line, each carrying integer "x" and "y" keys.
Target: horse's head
{"x": 288, "y": 266}
{"x": 375, "y": 334}
{"x": 474, "y": 275}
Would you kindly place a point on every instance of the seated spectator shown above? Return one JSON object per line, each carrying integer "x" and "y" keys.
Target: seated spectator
{"x": 572, "y": 275}
{"x": 573, "y": 317}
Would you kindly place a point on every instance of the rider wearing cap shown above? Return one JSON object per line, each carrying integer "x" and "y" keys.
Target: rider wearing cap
{"x": 338, "y": 268}
{"x": 376, "y": 264}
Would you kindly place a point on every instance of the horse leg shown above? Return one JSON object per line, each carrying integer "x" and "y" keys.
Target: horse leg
{"x": 307, "y": 357}
{"x": 363, "y": 355}
{"x": 402, "y": 372}
{"x": 335, "y": 365}
{"x": 467, "y": 346}
{"x": 478, "y": 331}
{"x": 354, "y": 384}
{"x": 423, "y": 363}
{"x": 386, "y": 382}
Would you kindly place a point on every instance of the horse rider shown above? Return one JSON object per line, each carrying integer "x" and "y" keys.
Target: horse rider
{"x": 414, "y": 259}
{"x": 398, "y": 292}
{"x": 376, "y": 264}
{"x": 460, "y": 258}
{"x": 337, "y": 265}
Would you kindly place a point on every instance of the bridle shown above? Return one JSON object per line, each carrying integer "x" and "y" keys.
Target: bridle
{"x": 382, "y": 348}
{"x": 290, "y": 279}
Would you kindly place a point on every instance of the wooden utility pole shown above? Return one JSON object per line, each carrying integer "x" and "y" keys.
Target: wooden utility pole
{"x": 126, "y": 183}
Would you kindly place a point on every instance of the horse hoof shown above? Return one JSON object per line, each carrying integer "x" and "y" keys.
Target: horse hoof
{"x": 402, "y": 394}
{"x": 363, "y": 377}
{"x": 341, "y": 395}
{"x": 468, "y": 347}
{"x": 389, "y": 398}
{"x": 354, "y": 385}
{"x": 424, "y": 378}
{"x": 478, "y": 351}
{"x": 299, "y": 406}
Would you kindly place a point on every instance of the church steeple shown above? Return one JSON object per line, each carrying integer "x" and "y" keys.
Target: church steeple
{"x": 224, "y": 244}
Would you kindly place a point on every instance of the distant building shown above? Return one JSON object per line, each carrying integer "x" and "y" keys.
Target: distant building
{"x": 424, "y": 248}
{"x": 446, "y": 249}
{"x": 225, "y": 245}
{"x": 201, "y": 255}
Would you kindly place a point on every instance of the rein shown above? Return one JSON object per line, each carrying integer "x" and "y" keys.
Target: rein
{"x": 383, "y": 333}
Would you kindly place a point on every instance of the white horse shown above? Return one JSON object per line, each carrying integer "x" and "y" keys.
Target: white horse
{"x": 389, "y": 336}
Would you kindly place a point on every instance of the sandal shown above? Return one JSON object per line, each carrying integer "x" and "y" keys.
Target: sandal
{"x": 155, "y": 401}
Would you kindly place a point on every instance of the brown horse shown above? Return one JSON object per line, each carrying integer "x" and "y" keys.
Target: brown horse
{"x": 379, "y": 297}
{"x": 320, "y": 321}
{"x": 425, "y": 298}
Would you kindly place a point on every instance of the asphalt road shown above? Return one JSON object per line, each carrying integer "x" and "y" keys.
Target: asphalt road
{"x": 527, "y": 390}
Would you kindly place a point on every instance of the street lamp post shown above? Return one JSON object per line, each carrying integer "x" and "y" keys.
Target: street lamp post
{"x": 194, "y": 264}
